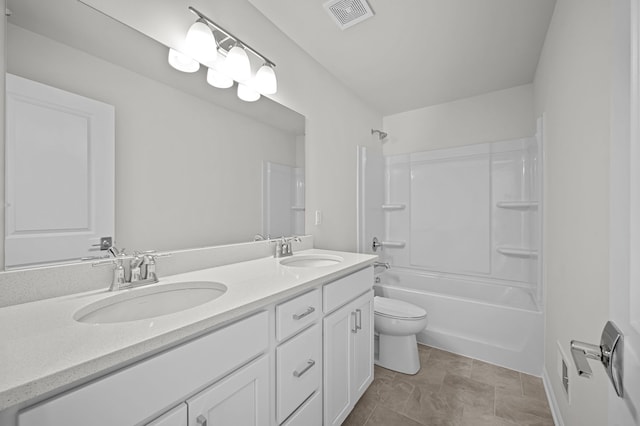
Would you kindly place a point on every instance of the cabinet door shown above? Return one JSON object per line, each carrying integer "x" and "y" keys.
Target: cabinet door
{"x": 240, "y": 399}
{"x": 175, "y": 417}
{"x": 338, "y": 328}
{"x": 362, "y": 353}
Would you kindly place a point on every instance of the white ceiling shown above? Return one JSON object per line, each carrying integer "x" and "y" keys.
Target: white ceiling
{"x": 416, "y": 53}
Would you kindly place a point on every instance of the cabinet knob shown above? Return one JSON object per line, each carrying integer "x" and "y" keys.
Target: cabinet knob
{"x": 201, "y": 420}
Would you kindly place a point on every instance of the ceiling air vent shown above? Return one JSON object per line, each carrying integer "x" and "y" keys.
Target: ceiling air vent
{"x": 347, "y": 13}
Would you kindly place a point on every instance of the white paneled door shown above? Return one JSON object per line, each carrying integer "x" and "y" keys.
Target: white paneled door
{"x": 624, "y": 286}
{"x": 59, "y": 174}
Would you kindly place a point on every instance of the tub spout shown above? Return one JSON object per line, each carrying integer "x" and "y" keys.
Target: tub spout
{"x": 384, "y": 265}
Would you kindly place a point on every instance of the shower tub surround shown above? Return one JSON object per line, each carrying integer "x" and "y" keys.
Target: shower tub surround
{"x": 44, "y": 352}
{"x": 493, "y": 323}
{"x": 462, "y": 234}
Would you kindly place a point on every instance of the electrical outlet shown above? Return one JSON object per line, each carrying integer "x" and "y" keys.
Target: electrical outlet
{"x": 564, "y": 371}
{"x": 318, "y": 217}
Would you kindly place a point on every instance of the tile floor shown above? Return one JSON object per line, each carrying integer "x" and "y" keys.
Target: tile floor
{"x": 452, "y": 390}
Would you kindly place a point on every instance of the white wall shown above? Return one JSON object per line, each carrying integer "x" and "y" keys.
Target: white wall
{"x": 500, "y": 115}
{"x": 185, "y": 168}
{"x": 573, "y": 90}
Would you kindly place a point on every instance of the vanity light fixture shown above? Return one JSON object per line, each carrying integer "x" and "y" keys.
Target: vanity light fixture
{"x": 237, "y": 64}
{"x": 182, "y": 62}
{"x": 200, "y": 42}
{"x": 218, "y": 79}
{"x": 227, "y": 59}
{"x": 266, "y": 80}
{"x": 247, "y": 93}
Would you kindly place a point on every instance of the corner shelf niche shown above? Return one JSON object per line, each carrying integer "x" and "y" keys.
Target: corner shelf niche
{"x": 517, "y": 205}
{"x": 517, "y": 252}
{"x": 391, "y": 207}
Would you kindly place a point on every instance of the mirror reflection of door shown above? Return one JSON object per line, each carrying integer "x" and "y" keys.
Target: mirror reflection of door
{"x": 59, "y": 174}
{"x": 282, "y": 200}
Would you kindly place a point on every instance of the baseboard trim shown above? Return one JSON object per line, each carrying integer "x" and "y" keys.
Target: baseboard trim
{"x": 551, "y": 398}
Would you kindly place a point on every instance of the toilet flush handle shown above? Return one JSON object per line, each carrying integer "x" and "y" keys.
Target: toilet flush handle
{"x": 376, "y": 243}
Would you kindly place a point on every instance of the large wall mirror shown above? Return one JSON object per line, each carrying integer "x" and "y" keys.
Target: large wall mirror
{"x": 190, "y": 159}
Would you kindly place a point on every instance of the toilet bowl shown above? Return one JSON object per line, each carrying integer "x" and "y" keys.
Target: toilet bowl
{"x": 397, "y": 323}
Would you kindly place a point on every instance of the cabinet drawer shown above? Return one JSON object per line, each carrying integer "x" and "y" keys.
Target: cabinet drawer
{"x": 310, "y": 414}
{"x": 298, "y": 370}
{"x": 175, "y": 417}
{"x": 294, "y": 315}
{"x": 339, "y": 292}
{"x": 157, "y": 382}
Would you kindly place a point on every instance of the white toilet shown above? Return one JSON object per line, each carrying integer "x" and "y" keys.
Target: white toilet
{"x": 397, "y": 324}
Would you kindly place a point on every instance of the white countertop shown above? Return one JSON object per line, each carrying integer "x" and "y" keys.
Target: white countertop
{"x": 42, "y": 348}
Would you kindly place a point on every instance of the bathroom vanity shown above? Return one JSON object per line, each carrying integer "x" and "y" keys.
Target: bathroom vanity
{"x": 289, "y": 342}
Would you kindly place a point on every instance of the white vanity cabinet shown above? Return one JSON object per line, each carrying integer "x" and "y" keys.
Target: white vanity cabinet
{"x": 348, "y": 345}
{"x": 239, "y": 399}
{"x": 300, "y": 361}
{"x": 136, "y": 394}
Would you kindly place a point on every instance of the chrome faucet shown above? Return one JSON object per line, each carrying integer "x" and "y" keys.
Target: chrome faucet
{"x": 134, "y": 268}
{"x": 284, "y": 246}
{"x": 142, "y": 268}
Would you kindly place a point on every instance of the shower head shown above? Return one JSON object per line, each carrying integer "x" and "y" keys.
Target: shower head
{"x": 381, "y": 134}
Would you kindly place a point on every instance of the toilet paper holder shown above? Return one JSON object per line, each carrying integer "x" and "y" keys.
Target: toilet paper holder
{"x": 609, "y": 352}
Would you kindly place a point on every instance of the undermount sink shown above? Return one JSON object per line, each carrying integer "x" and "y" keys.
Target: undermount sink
{"x": 150, "y": 302}
{"x": 312, "y": 260}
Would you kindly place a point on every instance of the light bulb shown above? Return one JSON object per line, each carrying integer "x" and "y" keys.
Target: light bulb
{"x": 247, "y": 93}
{"x": 266, "y": 82}
{"x": 218, "y": 79}
{"x": 182, "y": 62}
{"x": 200, "y": 42}
{"x": 237, "y": 65}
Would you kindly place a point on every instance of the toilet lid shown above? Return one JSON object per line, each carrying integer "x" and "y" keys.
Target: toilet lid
{"x": 397, "y": 308}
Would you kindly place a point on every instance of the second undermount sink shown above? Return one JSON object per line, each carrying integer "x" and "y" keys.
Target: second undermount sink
{"x": 150, "y": 302}
{"x": 312, "y": 260}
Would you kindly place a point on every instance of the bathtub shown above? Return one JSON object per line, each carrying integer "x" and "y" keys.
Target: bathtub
{"x": 498, "y": 324}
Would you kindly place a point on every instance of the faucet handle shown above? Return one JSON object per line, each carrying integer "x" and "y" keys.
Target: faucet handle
{"x": 119, "y": 278}
{"x": 113, "y": 251}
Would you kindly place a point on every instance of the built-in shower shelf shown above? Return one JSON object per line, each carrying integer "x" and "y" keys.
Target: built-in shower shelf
{"x": 517, "y": 205}
{"x": 517, "y": 251}
{"x": 390, "y": 207}
{"x": 297, "y": 208}
{"x": 393, "y": 244}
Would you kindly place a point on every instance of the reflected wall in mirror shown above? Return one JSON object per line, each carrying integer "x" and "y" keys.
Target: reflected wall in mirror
{"x": 188, "y": 157}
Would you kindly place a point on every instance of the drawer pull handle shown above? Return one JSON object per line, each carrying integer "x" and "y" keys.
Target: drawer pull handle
{"x": 309, "y": 311}
{"x": 310, "y": 363}
{"x": 358, "y": 319}
{"x": 354, "y": 315}
{"x": 201, "y": 420}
